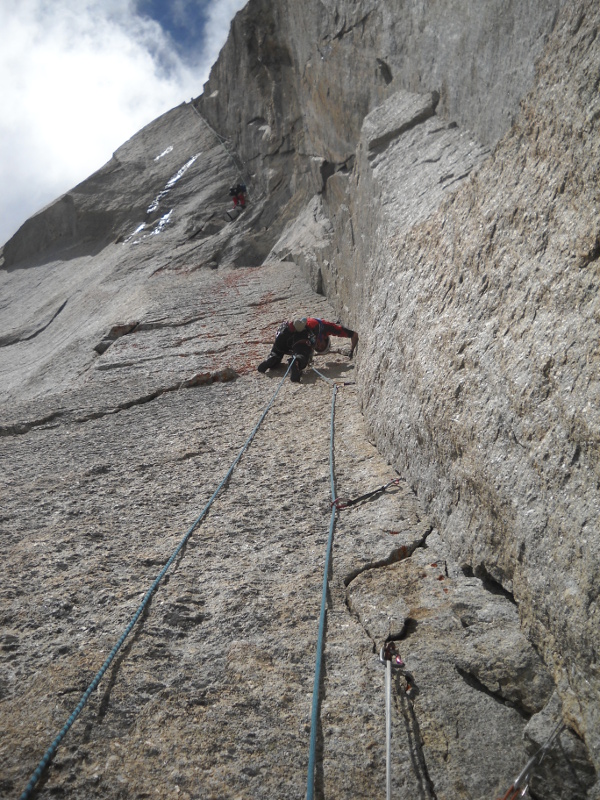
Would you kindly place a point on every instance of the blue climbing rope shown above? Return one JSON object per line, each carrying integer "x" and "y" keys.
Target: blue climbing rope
{"x": 84, "y": 698}
{"x": 310, "y": 789}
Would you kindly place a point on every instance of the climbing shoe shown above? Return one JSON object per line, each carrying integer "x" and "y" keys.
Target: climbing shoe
{"x": 295, "y": 373}
{"x": 271, "y": 361}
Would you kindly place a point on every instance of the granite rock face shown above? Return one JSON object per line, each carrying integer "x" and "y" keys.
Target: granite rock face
{"x": 429, "y": 176}
{"x": 489, "y": 399}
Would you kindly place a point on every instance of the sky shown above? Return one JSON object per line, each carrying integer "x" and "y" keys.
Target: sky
{"x": 78, "y": 78}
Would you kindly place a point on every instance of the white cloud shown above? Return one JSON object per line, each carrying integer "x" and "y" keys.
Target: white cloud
{"x": 219, "y": 18}
{"x": 80, "y": 77}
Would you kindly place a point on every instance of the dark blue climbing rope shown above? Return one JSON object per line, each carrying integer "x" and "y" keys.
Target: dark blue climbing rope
{"x": 55, "y": 744}
{"x": 310, "y": 789}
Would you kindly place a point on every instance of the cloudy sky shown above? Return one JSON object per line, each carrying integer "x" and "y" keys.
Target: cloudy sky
{"x": 80, "y": 77}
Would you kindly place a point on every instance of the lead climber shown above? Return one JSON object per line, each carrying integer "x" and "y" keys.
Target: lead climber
{"x": 302, "y": 338}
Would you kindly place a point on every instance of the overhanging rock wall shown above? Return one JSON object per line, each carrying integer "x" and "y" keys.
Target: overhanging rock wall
{"x": 294, "y": 81}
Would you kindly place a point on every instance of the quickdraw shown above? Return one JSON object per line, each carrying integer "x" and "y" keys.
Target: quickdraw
{"x": 389, "y": 653}
{"x": 520, "y": 786}
{"x": 389, "y": 656}
{"x": 340, "y": 504}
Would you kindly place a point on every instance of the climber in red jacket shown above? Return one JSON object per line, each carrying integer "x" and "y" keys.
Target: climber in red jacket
{"x": 238, "y": 195}
{"x": 301, "y": 338}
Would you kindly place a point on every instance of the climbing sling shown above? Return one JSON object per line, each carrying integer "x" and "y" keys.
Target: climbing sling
{"x": 339, "y": 504}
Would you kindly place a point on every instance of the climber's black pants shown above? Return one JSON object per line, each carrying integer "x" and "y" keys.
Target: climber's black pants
{"x": 290, "y": 344}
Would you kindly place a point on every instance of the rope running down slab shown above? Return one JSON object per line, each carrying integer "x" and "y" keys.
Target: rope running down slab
{"x": 310, "y": 789}
{"x": 84, "y": 698}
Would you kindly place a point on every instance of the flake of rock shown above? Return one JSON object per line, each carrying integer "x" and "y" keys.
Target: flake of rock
{"x": 369, "y": 597}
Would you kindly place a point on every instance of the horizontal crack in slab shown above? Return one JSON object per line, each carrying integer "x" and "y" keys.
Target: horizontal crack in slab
{"x": 9, "y": 340}
{"x": 397, "y": 554}
{"x": 200, "y": 379}
{"x": 476, "y": 684}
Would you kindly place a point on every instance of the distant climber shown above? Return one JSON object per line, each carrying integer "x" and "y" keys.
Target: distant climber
{"x": 238, "y": 193}
{"x": 301, "y": 338}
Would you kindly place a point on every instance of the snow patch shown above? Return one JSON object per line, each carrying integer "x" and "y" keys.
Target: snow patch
{"x": 170, "y": 183}
{"x": 162, "y": 223}
{"x": 165, "y": 219}
{"x": 165, "y": 152}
